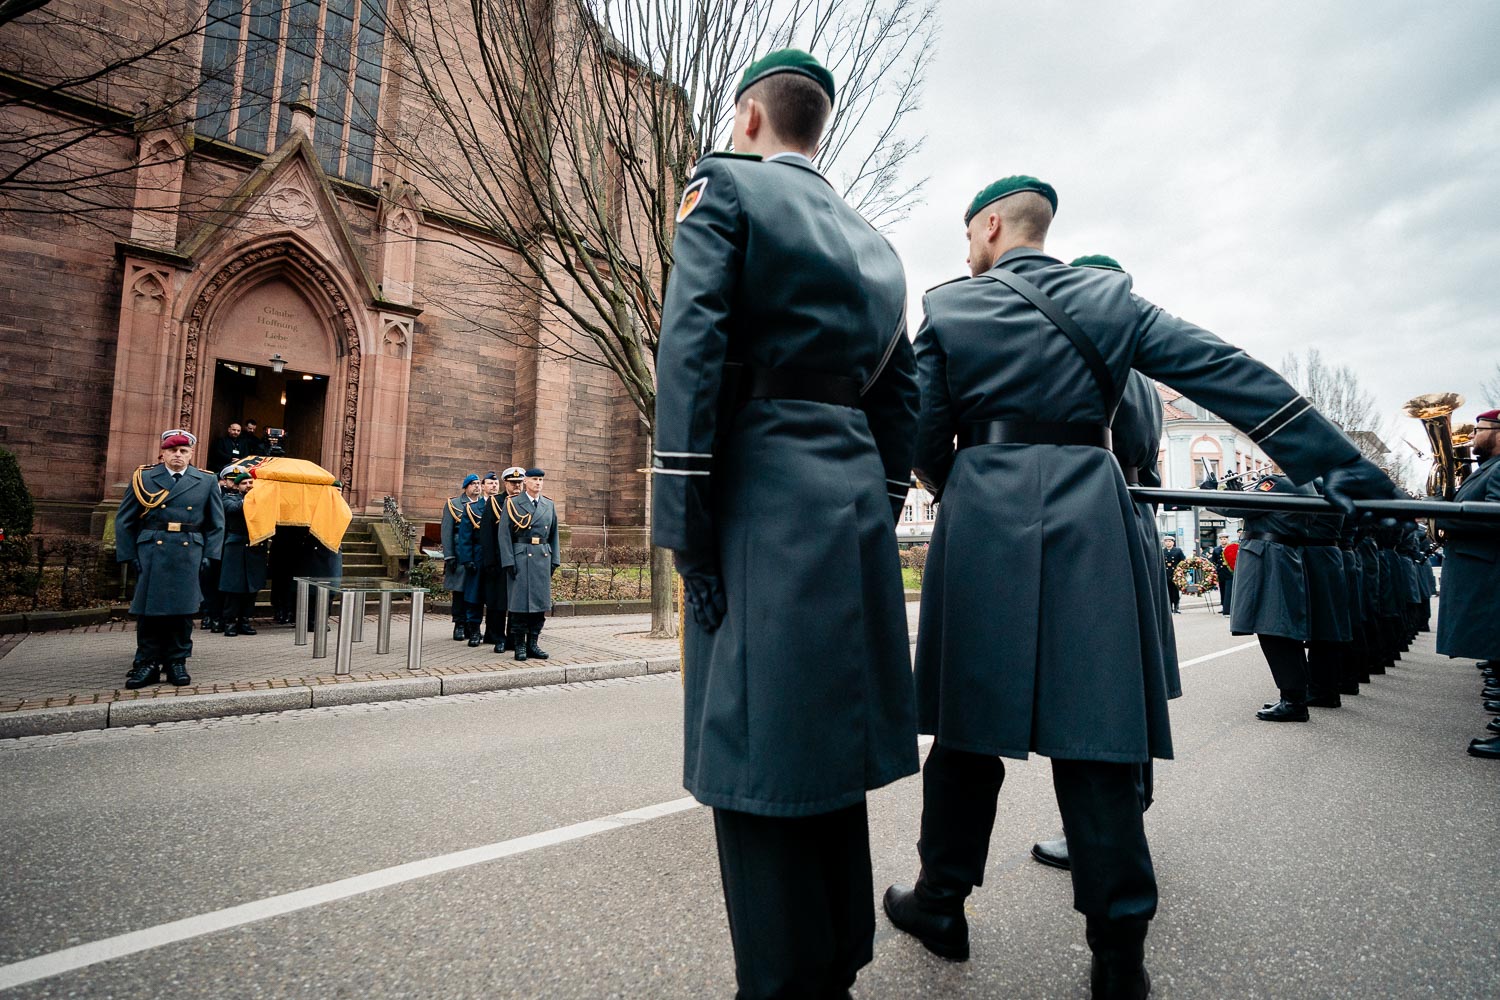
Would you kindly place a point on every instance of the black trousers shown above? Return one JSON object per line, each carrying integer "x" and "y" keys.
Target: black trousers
{"x": 163, "y": 639}
{"x": 800, "y": 897}
{"x": 1288, "y": 661}
{"x": 460, "y": 607}
{"x": 1323, "y": 664}
{"x": 495, "y": 600}
{"x": 1101, "y": 805}
{"x": 237, "y": 607}
{"x": 1226, "y": 591}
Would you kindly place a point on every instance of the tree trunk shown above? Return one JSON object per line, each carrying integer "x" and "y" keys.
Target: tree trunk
{"x": 663, "y": 606}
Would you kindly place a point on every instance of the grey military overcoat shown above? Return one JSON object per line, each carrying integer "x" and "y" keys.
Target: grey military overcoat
{"x": 1369, "y": 584}
{"x": 1137, "y": 441}
{"x": 531, "y": 553}
{"x": 801, "y": 700}
{"x": 243, "y": 570}
{"x": 1038, "y": 624}
{"x": 1469, "y": 605}
{"x": 171, "y": 560}
{"x": 453, "y": 566}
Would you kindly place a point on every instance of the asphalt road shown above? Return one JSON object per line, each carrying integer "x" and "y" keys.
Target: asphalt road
{"x": 1352, "y": 856}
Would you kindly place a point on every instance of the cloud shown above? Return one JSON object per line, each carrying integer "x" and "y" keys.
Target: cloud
{"x": 1286, "y": 174}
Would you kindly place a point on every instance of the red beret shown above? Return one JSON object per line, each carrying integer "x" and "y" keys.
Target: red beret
{"x": 177, "y": 441}
{"x": 1493, "y": 416}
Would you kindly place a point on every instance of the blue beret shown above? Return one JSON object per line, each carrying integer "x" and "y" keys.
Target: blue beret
{"x": 786, "y": 61}
{"x": 470, "y": 478}
{"x": 1007, "y": 186}
{"x": 492, "y": 475}
{"x": 537, "y": 473}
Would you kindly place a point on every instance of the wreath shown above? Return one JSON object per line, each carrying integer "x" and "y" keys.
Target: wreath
{"x": 1195, "y": 575}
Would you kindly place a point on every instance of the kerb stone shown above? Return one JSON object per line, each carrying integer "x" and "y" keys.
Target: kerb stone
{"x": 148, "y": 711}
{"x": 604, "y": 671}
{"x": 364, "y": 691}
{"x": 501, "y": 680}
{"x": 46, "y": 721}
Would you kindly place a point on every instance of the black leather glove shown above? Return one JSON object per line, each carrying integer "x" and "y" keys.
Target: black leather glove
{"x": 1358, "y": 479}
{"x": 471, "y": 567}
{"x": 703, "y": 592}
{"x": 514, "y": 570}
{"x": 449, "y": 565}
{"x": 135, "y": 564}
{"x": 203, "y": 565}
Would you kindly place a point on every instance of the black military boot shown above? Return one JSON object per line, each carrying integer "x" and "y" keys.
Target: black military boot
{"x": 177, "y": 673}
{"x": 503, "y": 644}
{"x": 532, "y": 649}
{"x": 959, "y": 791}
{"x": 458, "y": 632}
{"x": 1053, "y": 853}
{"x": 231, "y": 630}
{"x": 932, "y": 915}
{"x": 142, "y": 675}
{"x": 245, "y": 627}
{"x": 1284, "y": 711}
{"x": 1118, "y": 971}
{"x": 475, "y": 639}
{"x": 518, "y": 643}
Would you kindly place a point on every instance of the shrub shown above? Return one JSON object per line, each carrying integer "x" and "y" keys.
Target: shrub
{"x": 16, "y": 511}
{"x": 427, "y": 573}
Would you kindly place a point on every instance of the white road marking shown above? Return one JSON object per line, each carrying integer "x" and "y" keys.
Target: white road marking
{"x": 69, "y": 959}
{"x": 1223, "y": 652}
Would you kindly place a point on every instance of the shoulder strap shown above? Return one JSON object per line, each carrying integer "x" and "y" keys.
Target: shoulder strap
{"x": 1070, "y": 329}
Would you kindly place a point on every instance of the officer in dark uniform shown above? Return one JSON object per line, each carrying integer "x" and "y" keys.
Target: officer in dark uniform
{"x": 453, "y": 568}
{"x": 481, "y": 517}
{"x": 1172, "y": 557}
{"x": 530, "y": 559}
{"x": 1468, "y": 624}
{"x": 1220, "y": 557}
{"x": 494, "y": 531}
{"x": 1024, "y": 364}
{"x": 785, "y": 413}
{"x": 169, "y": 525}
{"x": 242, "y": 573}
{"x": 1136, "y": 440}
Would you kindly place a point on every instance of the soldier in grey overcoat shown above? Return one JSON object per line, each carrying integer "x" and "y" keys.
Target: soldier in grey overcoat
{"x": 453, "y": 567}
{"x": 168, "y": 526}
{"x": 1136, "y": 441}
{"x": 1468, "y": 623}
{"x": 530, "y": 559}
{"x": 1038, "y": 622}
{"x": 786, "y": 406}
{"x": 242, "y": 573}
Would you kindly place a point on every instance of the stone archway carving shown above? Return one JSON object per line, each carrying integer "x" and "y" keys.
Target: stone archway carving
{"x": 293, "y": 257}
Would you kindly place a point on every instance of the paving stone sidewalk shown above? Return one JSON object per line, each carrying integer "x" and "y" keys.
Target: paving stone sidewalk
{"x": 87, "y": 665}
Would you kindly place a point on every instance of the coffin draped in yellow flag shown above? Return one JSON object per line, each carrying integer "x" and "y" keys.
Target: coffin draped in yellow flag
{"x": 295, "y": 491}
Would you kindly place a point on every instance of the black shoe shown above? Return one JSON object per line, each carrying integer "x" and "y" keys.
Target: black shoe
{"x": 518, "y": 644}
{"x": 1053, "y": 853}
{"x": 1325, "y": 701}
{"x": 1349, "y": 687}
{"x": 1118, "y": 969}
{"x": 177, "y": 674}
{"x": 474, "y": 640}
{"x": 458, "y": 633}
{"x": 206, "y": 624}
{"x": 1492, "y": 706}
{"x": 1283, "y": 711}
{"x": 1488, "y": 749}
{"x": 245, "y": 628}
{"x": 500, "y": 646}
{"x": 1490, "y": 693}
{"x": 532, "y": 649}
{"x": 217, "y": 627}
{"x": 940, "y": 926}
{"x": 1494, "y": 725}
{"x": 231, "y": 630}
{"x": 142, "y": 675}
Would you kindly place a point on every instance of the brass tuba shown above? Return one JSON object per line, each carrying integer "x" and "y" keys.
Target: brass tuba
{"x": 1435, "y": 410}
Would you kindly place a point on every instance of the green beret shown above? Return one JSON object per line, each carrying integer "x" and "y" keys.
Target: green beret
{"x": 1007, "y": 186}
{"x": 1097, "y": 260}
{"x": 786, "y": 61}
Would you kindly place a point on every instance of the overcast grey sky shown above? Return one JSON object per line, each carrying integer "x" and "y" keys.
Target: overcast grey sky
{"x": 1284, "y": 174}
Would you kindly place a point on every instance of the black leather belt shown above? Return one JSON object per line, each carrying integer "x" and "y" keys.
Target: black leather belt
{"x": 809, "y": 387}
{"x": 1033, "y": 432}
{"x": 1132, "y": 475}
{"x": 1299, "y": 540}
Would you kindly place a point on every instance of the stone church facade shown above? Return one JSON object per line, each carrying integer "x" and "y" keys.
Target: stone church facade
{"x": 268, "y": 261}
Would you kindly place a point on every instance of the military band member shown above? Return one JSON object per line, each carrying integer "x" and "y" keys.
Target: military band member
{"x": 530, "y": 560}
{"x": 170, "y": 523}
{"x": 471, "y": 542}
{"x": 242, "y": 573}
{"x": 1468, "y": 624}
{"x": 784, "y": 358}
{"x": 1024, "y": 364}
{"x": 453, "y": 570}
{"x": 494, "y": 531}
